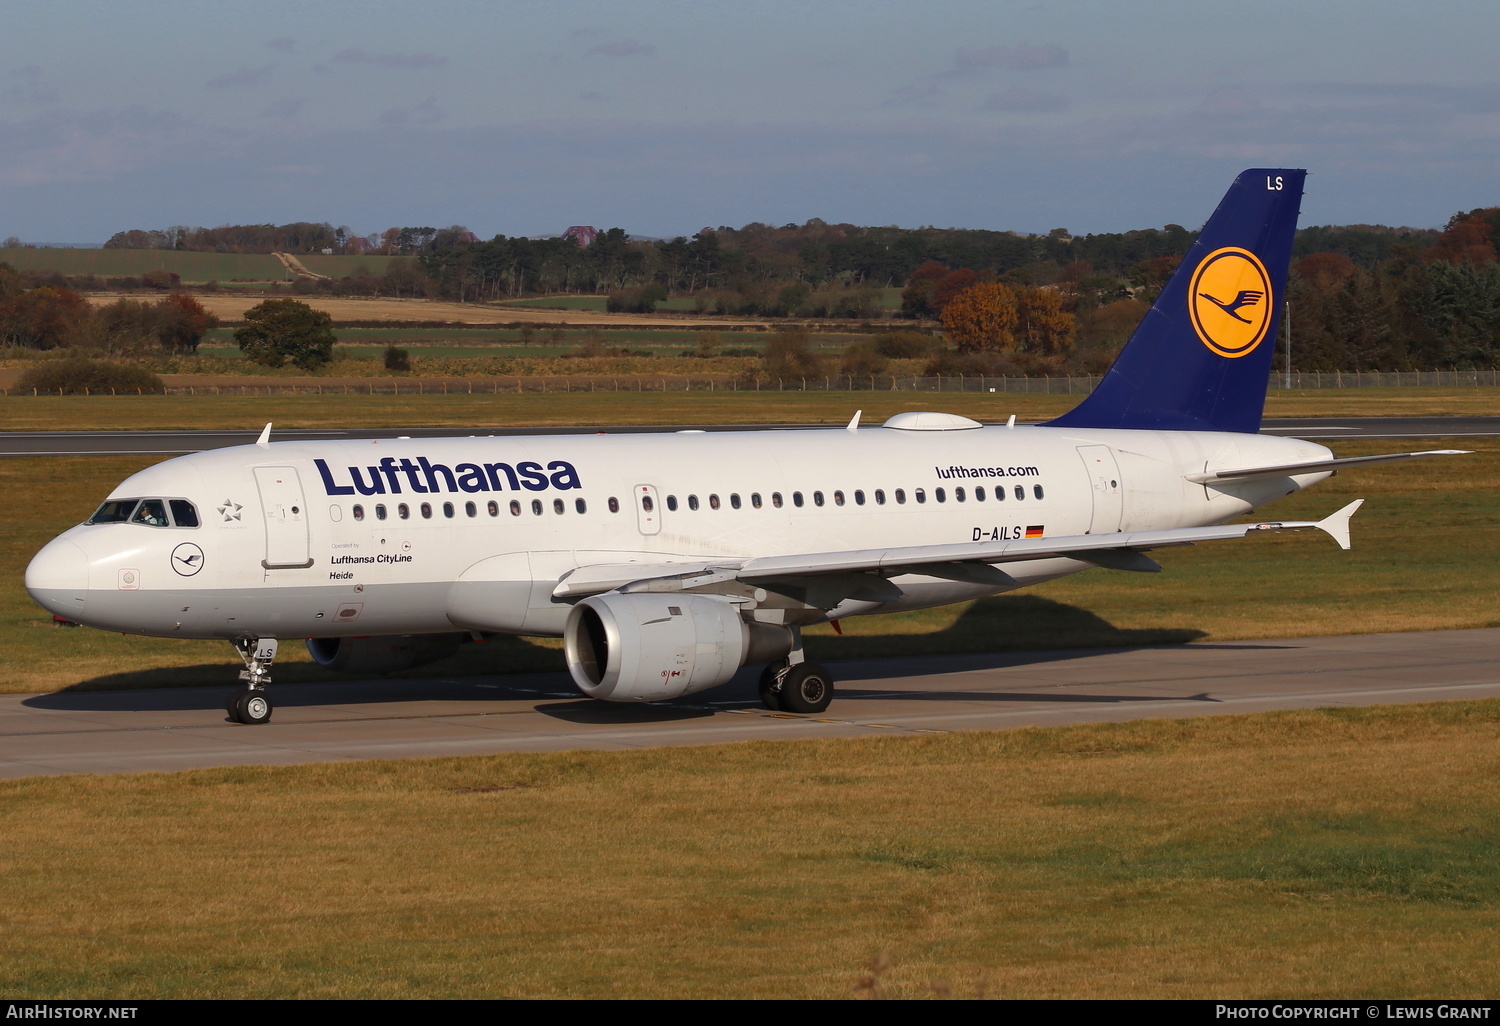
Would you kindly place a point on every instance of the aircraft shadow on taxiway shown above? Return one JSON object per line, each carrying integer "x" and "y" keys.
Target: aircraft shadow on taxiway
{"x": 991, "y": 634}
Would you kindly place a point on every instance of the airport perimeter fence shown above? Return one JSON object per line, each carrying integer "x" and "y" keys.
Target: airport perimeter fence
{"x": 1047, "y": 385}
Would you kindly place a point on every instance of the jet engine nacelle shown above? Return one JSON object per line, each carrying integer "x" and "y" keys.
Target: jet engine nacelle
{"x": 382, "y": 654}
{"x": 649, "y": 647}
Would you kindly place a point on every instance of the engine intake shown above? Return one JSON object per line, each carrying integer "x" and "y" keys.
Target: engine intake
{"x": 649, "y": 647}
{"x": 382, "y": 654}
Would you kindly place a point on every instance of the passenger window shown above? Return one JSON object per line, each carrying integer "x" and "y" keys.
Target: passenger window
{"x": 838, "y": 498}
{"x": 958, "y": 493}
{"x": 151, "y": 512}
{"x": 999, "y": 493}
{"x": 1037, "y": 490}
{"x": 403, "y": 512}
{"x": 515, "y": 508}
{"x": 692, "y": 502}
{"x": 940, "y": 494}
{"x": 536, "y": 507}
{"x": 613, "y": 504}
{"x": 901, "y": 496}
{"x": 920, "y": 494}
{"x": 672, "y": 503}
{"x": 817, "y": 498}
{"x": 580, "y": 505}
{"x": 471, "y": 509}
{"x": 380, "y": 511}
{"x": 713, "y": 502}
{"x": 734, "y": 500}
{"x": 879, "y": 497}
{"x": 1020, "y": 492}
{"x": 776, "y": 499}
{"x": 493, "y": 508}
{"x": 558, "y": 507}
{"x": 797, "y": 499}
{"x": 426, "y": 511}
{"x": 184, "y": 513}
{"x": 755, "y": 499}
{"x": 647, "y": 504}
{"x": 448, "y": 510}
{"x": 979, "y": 494}
{"x": 859, "y": 497}
{"x": 358, "y": 511}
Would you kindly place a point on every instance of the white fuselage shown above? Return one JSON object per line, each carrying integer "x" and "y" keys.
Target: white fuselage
{"x": 307, "y": 539}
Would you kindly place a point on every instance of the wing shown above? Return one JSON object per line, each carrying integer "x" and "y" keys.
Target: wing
{"x": 1316, "y": 467}
{"x": 978, "y": 562}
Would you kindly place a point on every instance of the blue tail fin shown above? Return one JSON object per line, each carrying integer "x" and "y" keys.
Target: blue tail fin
{"x": 1201, "y": 358}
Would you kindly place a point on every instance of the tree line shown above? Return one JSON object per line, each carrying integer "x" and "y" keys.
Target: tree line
{"x": 45, "y": 316}
{"x": 299, "y": 237}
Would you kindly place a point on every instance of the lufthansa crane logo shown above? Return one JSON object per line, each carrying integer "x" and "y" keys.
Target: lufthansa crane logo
{"x": 187, "y": 559}
{"x": 1230, "y": 301}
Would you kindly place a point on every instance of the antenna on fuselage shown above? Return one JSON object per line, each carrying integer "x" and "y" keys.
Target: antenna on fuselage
{"x": 854, "y": 421}
{"x": 265, "y": 435}
{"x": 1012, "y": 422}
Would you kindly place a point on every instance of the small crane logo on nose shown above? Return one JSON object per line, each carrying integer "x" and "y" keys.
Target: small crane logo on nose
{"x": 187, "y": 559}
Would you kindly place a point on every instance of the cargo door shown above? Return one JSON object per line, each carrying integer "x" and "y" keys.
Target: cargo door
{"x": 285, "y": 516}
{"x": 1104, "y": 482}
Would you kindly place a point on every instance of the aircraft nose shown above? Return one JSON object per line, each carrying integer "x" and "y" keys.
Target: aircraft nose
{"x": 58, "y": 579}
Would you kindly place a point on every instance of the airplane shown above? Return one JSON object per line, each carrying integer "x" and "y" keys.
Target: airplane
{"x": 668, "y": 561}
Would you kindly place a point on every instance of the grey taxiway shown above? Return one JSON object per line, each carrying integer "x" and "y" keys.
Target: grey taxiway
{"x": 185, "y": 728}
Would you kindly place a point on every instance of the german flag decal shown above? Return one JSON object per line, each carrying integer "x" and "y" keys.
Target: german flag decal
{"x": 1034, "y": 531}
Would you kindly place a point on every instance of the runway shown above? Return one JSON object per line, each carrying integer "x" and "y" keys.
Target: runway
{"x": 176, "y": 443}
{"x": 186, "y": 728}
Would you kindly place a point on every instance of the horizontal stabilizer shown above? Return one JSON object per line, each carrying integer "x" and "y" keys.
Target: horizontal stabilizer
{"x": 1316, "y": 466}
{"x": 1336, "y": 525}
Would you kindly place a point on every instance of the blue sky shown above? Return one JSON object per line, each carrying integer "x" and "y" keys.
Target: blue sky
{"x": 661, "y": 118}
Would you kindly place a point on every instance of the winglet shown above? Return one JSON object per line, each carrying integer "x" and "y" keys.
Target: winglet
{"x": 265, "y": 435}
{"x": 1336, "y": 525}
{"x": 854, "y": 421}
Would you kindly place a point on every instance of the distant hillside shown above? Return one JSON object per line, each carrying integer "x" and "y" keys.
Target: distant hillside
{"x": 190, "y": 267}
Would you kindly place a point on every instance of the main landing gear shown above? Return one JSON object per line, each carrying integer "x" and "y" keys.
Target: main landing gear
{"x": 253, "y": 705}
{"x": 795, "y": 685}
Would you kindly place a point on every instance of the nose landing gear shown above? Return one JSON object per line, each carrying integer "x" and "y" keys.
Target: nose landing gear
{"x": 253, "y": 705}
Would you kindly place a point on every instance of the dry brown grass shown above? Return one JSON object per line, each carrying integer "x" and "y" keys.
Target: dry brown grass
{"x": 232, "y": 307}
{"x": 1347, "y": 853}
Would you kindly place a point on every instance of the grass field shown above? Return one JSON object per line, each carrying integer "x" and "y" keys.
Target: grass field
{"x": 1426, "y": 557}
{"x": 890, "y": 299}
{"x": 191, "y": 267}
{"x": 50, "y": 413}
{"x": 1351, "y": 853}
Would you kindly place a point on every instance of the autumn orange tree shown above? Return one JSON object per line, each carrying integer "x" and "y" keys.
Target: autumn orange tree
{"x": 982, "y": 318}
{"x": 1043, "y": 326}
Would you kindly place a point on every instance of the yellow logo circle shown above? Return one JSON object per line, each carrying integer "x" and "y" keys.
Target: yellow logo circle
{"x": 1230, "y": 301}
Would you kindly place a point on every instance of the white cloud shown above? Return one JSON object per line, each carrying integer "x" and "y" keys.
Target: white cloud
{"x": 623, "y": 48}
{"x": 1022, "y": 57}
{"x": 242, "y": 78}
{"x": 401, "y": 61}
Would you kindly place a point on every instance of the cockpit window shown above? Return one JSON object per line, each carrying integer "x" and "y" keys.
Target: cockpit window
{"x": 152, "y": 512}
{"x": 115, "y": 511}
{"x": 183, "y": 513}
